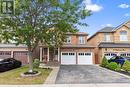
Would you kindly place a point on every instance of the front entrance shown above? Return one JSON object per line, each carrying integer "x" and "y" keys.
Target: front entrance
{"x": 49, "y": 55}
{"x": 53, "y": 54}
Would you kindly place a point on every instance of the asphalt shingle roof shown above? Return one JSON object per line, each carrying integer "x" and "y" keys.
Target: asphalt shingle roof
{"x": 106, "y": 29}
{"x": 11, "y": 45}
{"x": 82, "y": 45}
{"x": 114, "y": 45}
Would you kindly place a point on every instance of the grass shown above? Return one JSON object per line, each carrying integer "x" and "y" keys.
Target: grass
{"x": 13, "y": 77}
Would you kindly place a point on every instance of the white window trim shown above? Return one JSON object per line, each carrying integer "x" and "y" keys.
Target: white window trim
{"x": 81, "y": 40}
{"x": 123, "y": 37}
{"x": 107, "y": 37}
{"x": 67, "y": 40}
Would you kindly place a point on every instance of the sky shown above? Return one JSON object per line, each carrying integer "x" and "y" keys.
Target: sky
{"x": 105, "y": 13}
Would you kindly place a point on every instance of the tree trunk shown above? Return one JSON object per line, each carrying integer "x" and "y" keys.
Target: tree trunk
{"x": 30, "y": 62}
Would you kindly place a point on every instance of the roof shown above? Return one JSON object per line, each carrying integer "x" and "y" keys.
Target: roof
{"x": 103, "y": 30}
{"x": 109, "y": 29}
{"x": 77, "y": 33}
{"x": 106, "y": 29}
{"x": 114, "y": 45}
{"x": 82, "y": 45}
{"x": 121, "y": 25}
{"x": 11, "y": 45}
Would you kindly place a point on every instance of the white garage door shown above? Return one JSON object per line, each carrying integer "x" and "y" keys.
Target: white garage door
{"x": 85, "y": 58}
{"x": 68, "y": 58}
{"x": 109, "y": 55}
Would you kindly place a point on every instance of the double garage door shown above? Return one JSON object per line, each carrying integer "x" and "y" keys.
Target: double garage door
{"x": 110, "y": 55}
{"x": 81, "y": 58}
{"x": 18, "y": 55}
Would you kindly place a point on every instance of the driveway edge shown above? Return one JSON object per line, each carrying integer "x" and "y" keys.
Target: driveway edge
{"x": 116, "y": 72}
{"x": 52, "y": 77}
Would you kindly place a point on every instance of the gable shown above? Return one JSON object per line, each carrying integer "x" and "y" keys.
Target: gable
{"x": 116, "y": 30}
{"x": 122, "y": 28}
{"x": 128, "y": 24}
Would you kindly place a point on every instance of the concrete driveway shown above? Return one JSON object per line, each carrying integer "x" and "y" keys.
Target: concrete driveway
{"x": 76, "y": 74}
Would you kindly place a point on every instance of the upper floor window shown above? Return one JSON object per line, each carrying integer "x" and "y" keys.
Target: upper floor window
{"x": 123, "y": 36}
{"x": 107, "y": 37}
{"x": 81, "y": 40}
{"x": 68, "y": 39}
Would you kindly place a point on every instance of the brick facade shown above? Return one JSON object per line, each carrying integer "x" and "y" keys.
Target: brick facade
{"x": 98, "y": 38}
{"x": 91, "y": 44}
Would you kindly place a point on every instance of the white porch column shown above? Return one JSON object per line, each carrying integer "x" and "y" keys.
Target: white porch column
{"x": 40, "y": 54}
{"x": 58, "y": 54}
{"x": 12, "y": 54}
{"x": 48, "y": 57}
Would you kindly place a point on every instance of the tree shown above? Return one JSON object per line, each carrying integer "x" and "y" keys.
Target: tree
{"x": 38, "y": 21}
{"x": 104, "y": 62}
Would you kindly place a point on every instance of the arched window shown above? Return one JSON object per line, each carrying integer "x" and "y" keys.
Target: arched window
{"x": 123, "y": 36}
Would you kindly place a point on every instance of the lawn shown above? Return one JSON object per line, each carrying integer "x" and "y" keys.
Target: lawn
{"x": 13, "y": 77}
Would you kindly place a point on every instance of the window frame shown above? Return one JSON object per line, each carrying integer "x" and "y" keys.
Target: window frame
{"x": 68, "y": 40}
{"x": 81, "y": 40}
{"x": 123, "y": 37}
{"x": 107, "y": 37}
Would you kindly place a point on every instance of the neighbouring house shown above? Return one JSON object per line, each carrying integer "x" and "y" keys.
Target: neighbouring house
{"x": 78, "y": 48}
{"x": 111, "y": 41}
{"x": 12, "y": 51}
{"x": 19, "y": 52}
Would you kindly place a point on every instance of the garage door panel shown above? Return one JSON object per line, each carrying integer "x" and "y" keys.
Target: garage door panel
{"x": 68, "y": 58}
{"x": 109, "y": 55}
{"x": 21, "y": 56}
{"x": 5, "y": 54}
{"x": 85, "y": 58}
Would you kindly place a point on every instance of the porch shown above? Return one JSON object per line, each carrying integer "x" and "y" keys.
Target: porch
{"x": 50, "y": 56}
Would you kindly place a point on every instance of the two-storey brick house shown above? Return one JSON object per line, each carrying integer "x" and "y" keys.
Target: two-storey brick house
{"x": 74, "y": 51}
{"x": 111, "y": 41}
{"x": 78, "y": 48}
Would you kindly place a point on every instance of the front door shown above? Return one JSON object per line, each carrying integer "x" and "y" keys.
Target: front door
{"x": 53, "y": 54}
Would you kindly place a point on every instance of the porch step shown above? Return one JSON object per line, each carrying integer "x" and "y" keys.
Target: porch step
{"x": 49, "y": 64}
{"x": 53, "y": 63}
